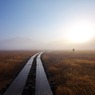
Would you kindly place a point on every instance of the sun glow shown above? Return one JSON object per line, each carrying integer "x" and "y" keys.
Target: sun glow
{"x": 80, "y": 31}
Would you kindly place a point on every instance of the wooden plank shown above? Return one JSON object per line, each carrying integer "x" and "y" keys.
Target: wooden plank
{"x": 42, "y": 84}
{"x": 17, "y": 86}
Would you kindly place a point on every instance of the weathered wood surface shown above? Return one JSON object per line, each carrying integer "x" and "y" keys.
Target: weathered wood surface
{"x": 42, "y": 84}
{"x": 17, "y": 86}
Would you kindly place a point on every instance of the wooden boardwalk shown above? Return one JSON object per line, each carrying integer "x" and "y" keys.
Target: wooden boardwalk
{"x": 17, "y": 86}
{"x": 42, "y": 84}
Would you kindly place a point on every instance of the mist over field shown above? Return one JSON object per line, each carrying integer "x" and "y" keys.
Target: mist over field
{"x": 29, "y": 44}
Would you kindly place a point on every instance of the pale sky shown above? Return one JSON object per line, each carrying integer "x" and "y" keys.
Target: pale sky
{"x": 50, "y": 23}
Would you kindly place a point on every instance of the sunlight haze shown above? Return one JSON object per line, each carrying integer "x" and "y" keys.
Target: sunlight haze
{"x": 47, "y": 24}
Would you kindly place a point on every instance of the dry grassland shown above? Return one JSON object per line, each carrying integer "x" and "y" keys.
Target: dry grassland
{"x": 11, "y": 63}
{"x": 73, "y": 73}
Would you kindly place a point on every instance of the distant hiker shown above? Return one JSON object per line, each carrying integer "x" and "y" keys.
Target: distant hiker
{"x": 73, "y": 49}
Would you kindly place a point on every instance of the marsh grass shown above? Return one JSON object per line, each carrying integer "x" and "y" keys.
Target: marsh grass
{"x": 11, "y": 63}
{"x": 73, "y": 73}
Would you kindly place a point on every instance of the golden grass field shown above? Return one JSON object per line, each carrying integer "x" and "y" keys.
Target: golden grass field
{"x": 11, "y": 63}
{"x": 72, "y": 72}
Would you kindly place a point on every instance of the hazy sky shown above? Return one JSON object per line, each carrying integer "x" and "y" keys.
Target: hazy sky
{"x": 48, "y": 21}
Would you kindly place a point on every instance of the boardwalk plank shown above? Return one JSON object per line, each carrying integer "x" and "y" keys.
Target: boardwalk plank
{"x": 42, "y": 84}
